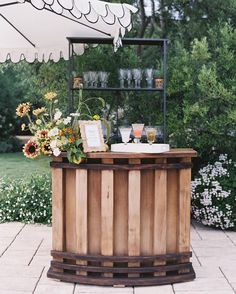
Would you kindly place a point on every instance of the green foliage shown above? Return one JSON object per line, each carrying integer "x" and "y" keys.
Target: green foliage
{"x": 26, "y": 200}
{"x": 202, "y": 94}
{"x": 214, "y": 194}
{"x": 10, "y": 144}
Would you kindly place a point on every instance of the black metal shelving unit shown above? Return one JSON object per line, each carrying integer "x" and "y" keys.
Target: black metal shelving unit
{"x": 161, "y": 43}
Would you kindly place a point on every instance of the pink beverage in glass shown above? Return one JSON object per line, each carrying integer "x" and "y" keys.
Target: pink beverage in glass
{"x": 137, "y": 131}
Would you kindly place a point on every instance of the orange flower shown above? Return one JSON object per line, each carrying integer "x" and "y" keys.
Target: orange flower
{"x": 72, "y": 139}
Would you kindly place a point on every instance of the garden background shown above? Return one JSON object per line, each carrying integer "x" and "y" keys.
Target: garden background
{"x": 201, "y": 104}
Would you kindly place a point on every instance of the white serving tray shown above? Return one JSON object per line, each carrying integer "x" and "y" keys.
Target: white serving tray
{"x": 140, "y": 148}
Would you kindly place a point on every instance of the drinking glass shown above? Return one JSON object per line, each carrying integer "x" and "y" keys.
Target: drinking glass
{"x": 137, "y": 131}
{"x": 149, "y": 76}
{"x": 129, "y": 77}
{"x": 94, "y": 79}
{"x": 125, "y": 134}
{"x": 86, "y": 79}
{"x": 151, "y": 133}
{"x": 122, "y": 77}
{"x": 103, "y": 78}
{"x": 137, "y": 75}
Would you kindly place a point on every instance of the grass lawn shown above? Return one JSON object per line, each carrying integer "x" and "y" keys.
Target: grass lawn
{"x": 16, "y": 165}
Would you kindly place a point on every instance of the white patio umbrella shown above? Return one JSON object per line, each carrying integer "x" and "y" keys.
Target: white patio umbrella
{"x": 37, "y": 29}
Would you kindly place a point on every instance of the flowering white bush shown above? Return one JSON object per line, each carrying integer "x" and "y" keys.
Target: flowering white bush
{"x": 214, "y": 194}
{"x": 26, "y": 200}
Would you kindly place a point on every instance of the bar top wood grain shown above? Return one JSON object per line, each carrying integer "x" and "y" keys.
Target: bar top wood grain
{"x": 173, "y": 153}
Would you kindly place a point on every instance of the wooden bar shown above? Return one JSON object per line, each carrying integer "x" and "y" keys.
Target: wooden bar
{"x": 81, "y": 207}
{"x": 107, "y": 206}
{"x": 58, "y": 220}
{"x": 122, "y": 219}
{"x": 184, "y": 211}
{"x": 160, "y": 213}
{"x": 134, "y": 197}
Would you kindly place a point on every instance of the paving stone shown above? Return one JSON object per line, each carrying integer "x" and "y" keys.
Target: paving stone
{"x": 206, "y": 292}
{"x": 82, "y": 289}
{"x": 208, "y": 272}
{"x": 212, "y": 243}
{"x": 15, "y": 292}
{"x": 49, "y": 289}
{"x": 20, "y": 271}
{"x": 202, "y": 284}
{"x": 17, "y": 284}
{"x": 229, "y": 271}
{"x": 154, "y": 290}
{"x": 214, "y": 251}
{"x": 216, "y": 261}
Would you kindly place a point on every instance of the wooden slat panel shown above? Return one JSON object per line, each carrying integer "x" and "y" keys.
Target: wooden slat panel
{"x": 147, "y": 210}
{"x": 134, "y": 196}
{"x": 94, "y": 212}
{"x": 121, "y": 213}
{"x": 184, "y": 210}
{"x": 160, "y": 212}
{"x": 81, "y": 216}
{"x": 107, "y": 207}
{"x": 70, "y": 224}
{"x": 172, "y": 210}
{"x": 57, "y": 210}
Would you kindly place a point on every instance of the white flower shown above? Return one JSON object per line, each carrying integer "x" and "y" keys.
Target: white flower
{"x": 38, "y": 122}
{"x": 56, "y": 152}
{"x": 75, "y": 114}
{"x": 57, "y": 115}
{"x": 53, "y": 144}
{"x": 53, "y": 132}
{"x": 67, "y": 120}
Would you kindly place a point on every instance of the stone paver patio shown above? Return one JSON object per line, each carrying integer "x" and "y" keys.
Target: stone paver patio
{"x": 25, "y": 258}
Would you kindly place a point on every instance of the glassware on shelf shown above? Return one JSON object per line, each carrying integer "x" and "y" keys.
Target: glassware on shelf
{"x": 94, "y": 79}
{"x": 125, "y": 132}
{"x": 129, "y": 77}
{"x": 149, "y": 76}
{"x": 86, "y": 79}
{"x": 103, "y": 78}
{"x": 151, "y": 133}
{"x": 137, "y": 75}
{"x": 137, "y": 131}
{"x": 122, "y": 77}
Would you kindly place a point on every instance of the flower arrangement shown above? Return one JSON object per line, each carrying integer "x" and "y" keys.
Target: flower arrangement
{"x": 214, "y": 194}
{"x": 52, "y": 132}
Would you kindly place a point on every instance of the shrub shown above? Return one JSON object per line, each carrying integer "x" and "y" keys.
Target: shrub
{"x": 26, "y": 200}
{"x": 214, "y": 194}
{"x": 11, "y": 144}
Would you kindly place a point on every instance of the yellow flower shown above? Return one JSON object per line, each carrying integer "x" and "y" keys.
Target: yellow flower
{"x": 23, "y": 109}
{"x": 23, "y": 126}
{"x": 31, "y": 149}
{"x": 39, "y": 111}
{"x": 46, "y": 149}
{"x": 42, "y": 134}
{"x": 96, "y": 117}
{"x": 50, "y": 96}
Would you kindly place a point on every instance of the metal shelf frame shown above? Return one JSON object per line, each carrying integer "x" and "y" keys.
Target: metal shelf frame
{"x": 163, "y": 43}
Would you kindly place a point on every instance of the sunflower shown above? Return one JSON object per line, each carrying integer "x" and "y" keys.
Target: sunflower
{"x": 31, "y": 149}
{"x": 46, "y": 149}
{"x": 50, "y": 96}
{"x": 23, "y": 109}
{"x": 39, "y": 111}
{"x": 42, "y": 134}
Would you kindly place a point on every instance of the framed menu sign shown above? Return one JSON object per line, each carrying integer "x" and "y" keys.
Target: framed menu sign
{"x": 91, "y": 134}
